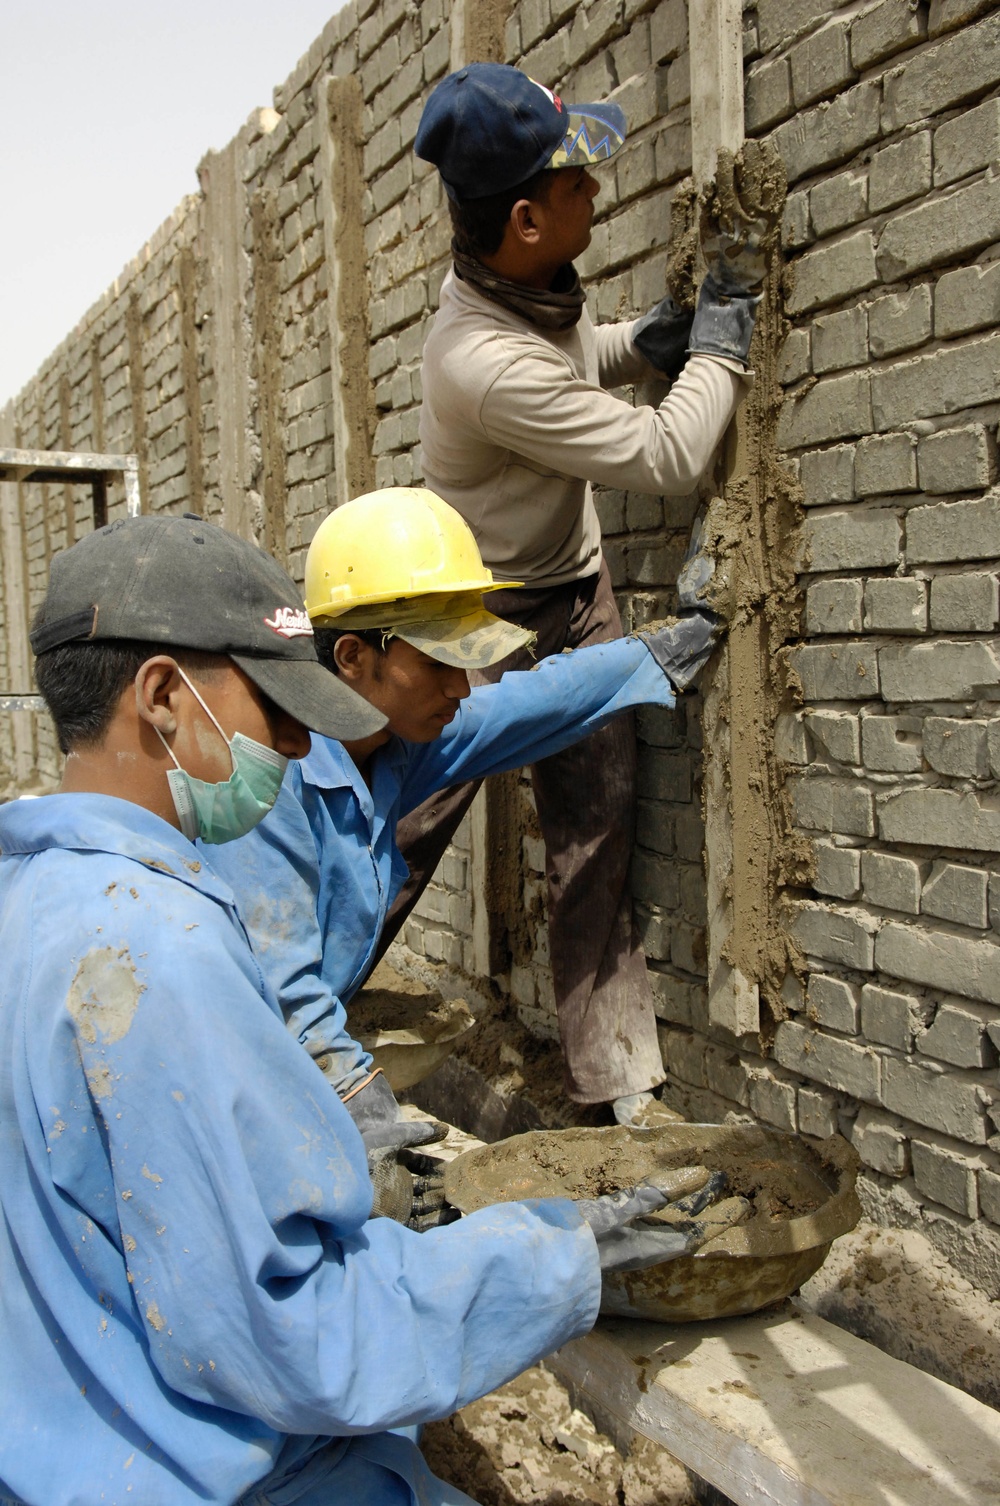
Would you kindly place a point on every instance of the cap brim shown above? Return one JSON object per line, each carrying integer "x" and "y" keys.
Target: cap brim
{"x": 593, "y": 134}
{"x": 314, "y": 696}
{"x": 471, "y": 642}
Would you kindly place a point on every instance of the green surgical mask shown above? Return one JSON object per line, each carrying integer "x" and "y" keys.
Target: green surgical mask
{"x": 227, "y": 810}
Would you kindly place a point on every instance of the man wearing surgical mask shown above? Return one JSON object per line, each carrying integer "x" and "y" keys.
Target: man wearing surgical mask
{"x": 198, "y": 1307}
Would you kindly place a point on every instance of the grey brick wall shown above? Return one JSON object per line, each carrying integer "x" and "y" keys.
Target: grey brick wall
{"x": 888, "y": 119}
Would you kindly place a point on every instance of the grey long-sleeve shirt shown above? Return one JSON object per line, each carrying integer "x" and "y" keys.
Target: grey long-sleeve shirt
{"x": 516, "y": 424}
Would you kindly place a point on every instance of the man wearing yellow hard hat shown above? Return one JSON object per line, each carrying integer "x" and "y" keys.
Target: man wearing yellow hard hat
{"x": 395, "y": 590}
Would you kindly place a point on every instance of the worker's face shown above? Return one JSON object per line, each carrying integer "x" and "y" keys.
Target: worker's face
{"x": 417, "y": 694}
{"x": 238, "y": 706}
{"x": 565, "y": 218}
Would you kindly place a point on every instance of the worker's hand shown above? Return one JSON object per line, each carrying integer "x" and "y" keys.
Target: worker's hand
{"x": 740, "y": 213}
{"x": 376, "y": 1113}
{"x": 684, "y": 646}
{"x": 646, "y": 1225}
{"x": 662, "y": 336}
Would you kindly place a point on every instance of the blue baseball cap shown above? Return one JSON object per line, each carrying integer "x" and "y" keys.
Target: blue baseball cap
{"x": 489, "y": 127}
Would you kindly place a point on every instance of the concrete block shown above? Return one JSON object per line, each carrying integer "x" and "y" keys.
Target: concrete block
{"x": 956, "y": 893}
{"x": 889, "y": 1018}
{"x": 942, "y": 76}
{"x": 838, "y": 871}
{"x": 842, "y": 936}
{"x": 989, "y": 1195}
{"x": 654, "y": 881}
{"x": 953, "y": 377}
{"x": 828, "y": 1060}
{"x": 968, "y": 143}
{"x": 832, "y": 272}
{"x": 964, "y": 603}
{"x": 947, "y": 15}
{"x": 831, "y": 132}
{"x": 790, "y": 742}
{"x": 967, "y": 299}
{"x": 834, "y": 1004}
{"x": 838, "y": 672}
{"x": 941, "y": 230}
{"x": 796, "y": 229}
{"x": 796, "y": 361}
{"x": 668, "y": 31}
{"x": 839, "y": 202}
{"x": 945, "y": 1176}
{"x": 897, "y": 605}
{"x": 945, "y": 531}
{"x": 687, "y": 948}
{"x": 838, "y": 407}
{"x": 821, "y": 64}
{"x": 885, "y": 29}
{"x": 892, "y": 883}
{"x": 879, "y": 1140}
{"x": 956, "y": 747}
{"x": 665, "y": 776}
{"x": 827, "y": 475}
{"x": 773, "y": 1101}
{"x": 962, "y": 965}
{"x": 956, "y": 460}
{"x": 900, "y": 172}
{"x": 836, "y": 805}
{"x": 780, "y": 20}
{"x": 993, "y": 747}
{"x": 727, "y": 1074}
{"x": 817, "y": 1113}
{"x": 939, "y": 671}
{"x": 840, "y": 340}
{"x": 837, "y": 734}
{"x": 940, "y": 1101}
{"x": 885, "y": 463}
{"x": 684, "y": 1056}
{"x": 901, "y": 321}
{"x": 942, "y": 818}
{"x": 833, "y": 606}
{"x": 768, "y": 94}
{"x": 959, "y": 1035}
{"x": 859, "y": 538}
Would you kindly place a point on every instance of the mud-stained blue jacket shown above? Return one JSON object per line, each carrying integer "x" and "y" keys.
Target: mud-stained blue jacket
{"x": 192, "y": 1296}
{"x": 316, "y": 878}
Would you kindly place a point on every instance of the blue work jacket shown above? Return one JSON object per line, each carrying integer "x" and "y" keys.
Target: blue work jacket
{"x": 316, "y": 878}
{"x": 193, "y": 1298}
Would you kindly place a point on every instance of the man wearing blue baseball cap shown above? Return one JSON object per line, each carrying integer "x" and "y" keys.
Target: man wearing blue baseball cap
{"x": 517, "y": 422}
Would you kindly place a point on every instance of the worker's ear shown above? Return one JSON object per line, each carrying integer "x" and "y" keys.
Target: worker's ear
{"x": 157, "y": 691}
{"x": 353, "y": 658}
{"x": 523, "y": 225}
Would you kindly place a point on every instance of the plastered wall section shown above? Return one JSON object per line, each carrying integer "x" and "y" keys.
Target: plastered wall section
{"x": 218, "y": 355}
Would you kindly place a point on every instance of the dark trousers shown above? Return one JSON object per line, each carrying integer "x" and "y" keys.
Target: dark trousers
{"x": 585, "y": 797}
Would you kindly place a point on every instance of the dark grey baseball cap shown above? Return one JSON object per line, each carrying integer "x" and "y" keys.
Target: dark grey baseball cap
{"x": 185, "y": 583}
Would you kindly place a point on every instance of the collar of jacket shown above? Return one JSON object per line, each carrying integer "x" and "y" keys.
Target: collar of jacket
{"x": 554, "y": 308}
{"x": 103, "y": 823}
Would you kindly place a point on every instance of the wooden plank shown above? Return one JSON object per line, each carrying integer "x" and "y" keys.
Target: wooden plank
{"x": 63, "y": 461}
{"x": 787, "y": 1410}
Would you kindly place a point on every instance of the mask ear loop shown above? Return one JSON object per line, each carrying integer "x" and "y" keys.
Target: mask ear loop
{"x": 212, "y": 719}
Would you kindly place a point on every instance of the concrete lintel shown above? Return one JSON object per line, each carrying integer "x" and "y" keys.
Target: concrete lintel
{"x": 715, "y": 36}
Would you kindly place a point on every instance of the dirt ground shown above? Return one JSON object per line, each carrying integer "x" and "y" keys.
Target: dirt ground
{"x": 526, "y": 1443}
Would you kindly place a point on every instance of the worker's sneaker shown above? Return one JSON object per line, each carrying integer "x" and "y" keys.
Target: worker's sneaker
{"x": 704, "y": 581}
{"x": 643, "y": 1111}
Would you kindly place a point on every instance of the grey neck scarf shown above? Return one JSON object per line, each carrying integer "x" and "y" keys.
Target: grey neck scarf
{"x": 554, "y": 308}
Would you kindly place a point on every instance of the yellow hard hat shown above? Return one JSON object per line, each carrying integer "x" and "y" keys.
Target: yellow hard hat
{"x": 403, "y": 560}
{"x": 402, "y": 541}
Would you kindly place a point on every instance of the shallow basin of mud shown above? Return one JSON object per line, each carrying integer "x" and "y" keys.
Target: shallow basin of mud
{"x": 801, "y": 1194}
{"x": 408, "y": 1028}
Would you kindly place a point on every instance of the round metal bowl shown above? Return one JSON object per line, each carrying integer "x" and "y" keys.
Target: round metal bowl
{"x": 802, "y": 1192}
{"x": 407, "y": 1053}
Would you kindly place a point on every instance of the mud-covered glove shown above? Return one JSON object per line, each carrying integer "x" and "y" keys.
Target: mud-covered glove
{"x": 683, "y": 647}
{"x": 739, "y": 218}
{"x": 387, "y": 1137}
{"x": 624, "y": 1223}
{"x": 739, "y": 224}
{"x": 662, "y": 336}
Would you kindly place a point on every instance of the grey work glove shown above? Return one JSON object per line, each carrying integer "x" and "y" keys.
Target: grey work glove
{"x": 387, "y": 1139}
{"x": 628, "y": 1240}
{"x": 739, "y": 219}
{"x": 683, "y": 647}
{"x": 723, "y": 323}
{"x": 662, "y": 336}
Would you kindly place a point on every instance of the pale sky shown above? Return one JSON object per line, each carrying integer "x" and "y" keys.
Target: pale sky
{"x": 108, "y": 107}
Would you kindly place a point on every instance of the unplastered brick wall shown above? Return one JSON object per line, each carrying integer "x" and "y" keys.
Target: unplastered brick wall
{"x": 262, "y": 356}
